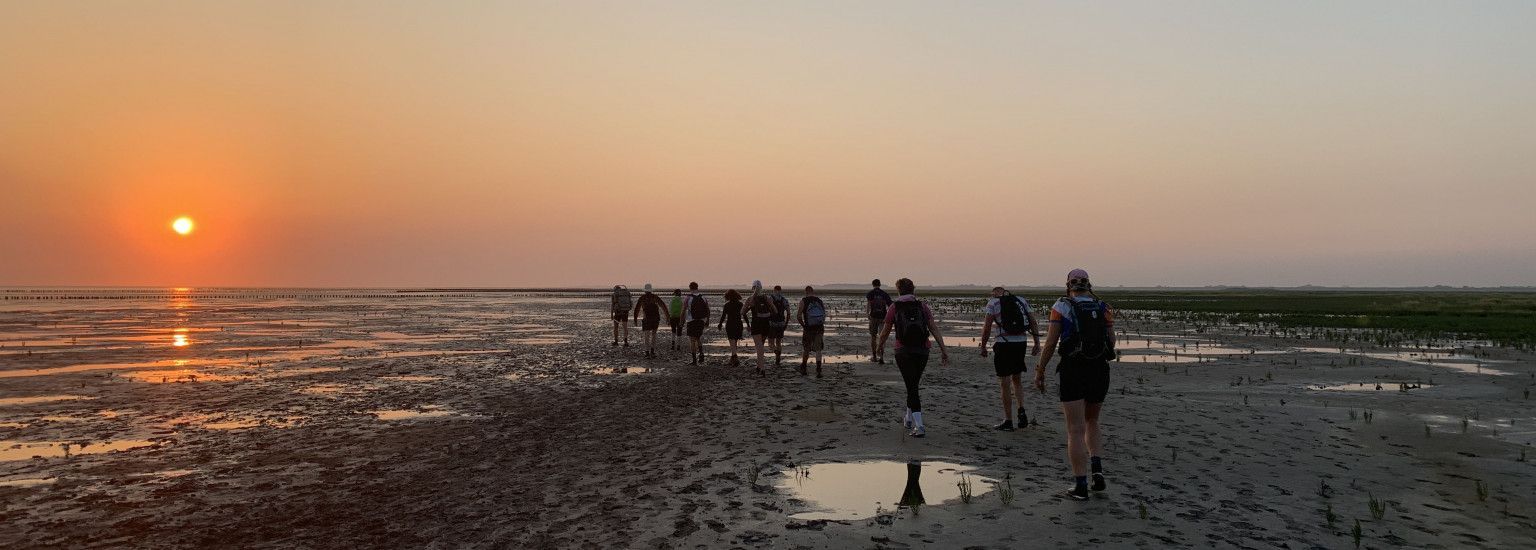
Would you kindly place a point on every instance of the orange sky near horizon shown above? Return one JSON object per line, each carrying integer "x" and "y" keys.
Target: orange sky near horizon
{"x": 590, "y": 143}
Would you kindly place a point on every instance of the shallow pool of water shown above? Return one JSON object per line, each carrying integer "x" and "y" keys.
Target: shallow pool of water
{"x": 858, "y": 490}
{"x": 24, "y": 450}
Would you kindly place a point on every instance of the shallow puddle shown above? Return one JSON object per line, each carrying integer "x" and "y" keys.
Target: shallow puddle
{"x": 536, "y": 341}
{"x": 25, "y": 450}
{"x": 1470, "y": 365}
{"x": 412, "y": 414}
{"x": 1395, "y": 387}
{"x": 27, "y": 482}
{"x": 411, "y": 378}
{"x": 858, "y": 490}
{"x": 40, "y": 399}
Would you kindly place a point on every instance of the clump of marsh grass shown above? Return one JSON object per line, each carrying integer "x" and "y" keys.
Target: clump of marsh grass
{"x": 1141, "y": 509}
{"x": 1323, "y": 489}
{"x": 965, "y": 488}
{"x": 1005, "y": 491}
{"x": 1329, "y": 516}
{"x": 1378, "y": 507}
{"x": 1356, "y": 533}
{"x": 753, "y": 469}
{"x": 1369, "y": 415}
{"x": 1482, "y": 490}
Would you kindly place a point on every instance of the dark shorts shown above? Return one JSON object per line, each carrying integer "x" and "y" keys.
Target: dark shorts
{"x": 1009, "y": 358}
{"x": 1086, "y": 380}
{"x": 874, "y": 326}
{"x": 620, "y": 316}
{"x": 695, "y": 328}
{"x": 776, "y": 329}
{"x": 650, "y": 324}
{"x": 677, "y": 325}
{"x": 733, "y": 331}
{"x": 814, "y": 337}
{"x": 760, "y": 326}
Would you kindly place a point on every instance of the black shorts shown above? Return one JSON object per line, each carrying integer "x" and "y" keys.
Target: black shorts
{"x": 695, "y": 328}
{"x": 1086, "y": 380}
{"x": 1008, "y": 358}
{"x": 621, "y": 316}
{"x": 650, "y": 324}
{"x": 776, "y": 329}
{"x": 814, "y": 337}
{"x": 760, "y": 326}
{"x": 677, "y": 325}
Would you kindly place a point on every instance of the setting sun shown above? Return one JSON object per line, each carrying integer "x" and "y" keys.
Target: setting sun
{"x": 182, "y": 225}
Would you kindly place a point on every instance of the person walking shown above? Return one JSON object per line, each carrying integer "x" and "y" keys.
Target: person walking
{"x": 1013, "y": 318}
{"x": 1082, "y": 329}
{"x": 760, "y": 313}
{"x": 695, "y": 317}
{"x": 675, "y": 315}
{"x": 652, "y": 306}
{"x": 913, "y": 323}
{"x": 730, "y": 320}
{"x": 876, "y": 304}
{"x": 778, "y": 323}
{"x": 812, "y": 317}
{"x": 619, "y": 311}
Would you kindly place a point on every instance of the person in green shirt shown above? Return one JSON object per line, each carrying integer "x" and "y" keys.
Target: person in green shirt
{"x": 675, "y": 315}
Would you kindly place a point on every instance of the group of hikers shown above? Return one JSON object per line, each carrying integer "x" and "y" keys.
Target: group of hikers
{"x": 1080, "y": 332}
{"x": 764, "y": 315}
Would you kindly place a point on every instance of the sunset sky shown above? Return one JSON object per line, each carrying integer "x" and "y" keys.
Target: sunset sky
{"x": 590, "y": 143}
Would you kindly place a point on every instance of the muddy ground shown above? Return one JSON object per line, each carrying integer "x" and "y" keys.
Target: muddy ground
{"x": 508, "y": 420}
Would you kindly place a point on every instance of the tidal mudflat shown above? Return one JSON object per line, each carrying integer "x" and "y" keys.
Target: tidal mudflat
{"x": 385, "y": 419}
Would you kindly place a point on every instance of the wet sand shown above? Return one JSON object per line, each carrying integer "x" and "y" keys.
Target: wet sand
{"x": 509, "y": 421}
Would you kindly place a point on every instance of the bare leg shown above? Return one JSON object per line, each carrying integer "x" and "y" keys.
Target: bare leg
{"x": 757, "y": 339}
{"x": 1002, "y": 384}
{"x": 1077, "y": 444}
{"x": 1091, "y": 418}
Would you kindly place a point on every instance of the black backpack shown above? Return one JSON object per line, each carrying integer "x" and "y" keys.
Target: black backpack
{"x": 1090, "y": 337}
{"x": 698, "y": 308}
{"x": 1012, "y": 318}
{"x": 760, "y": 307}
{"x": 911, "y": 324}
{"x": 878, "y": 304}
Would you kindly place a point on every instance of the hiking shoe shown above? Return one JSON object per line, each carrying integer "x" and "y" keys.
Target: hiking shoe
{"x": 1098, "y": 482}
{"x": 918, "y": 432}
{"x": 1076, "y": 493}
{"x": 1023, "y": 418}
{"x": 1006, "y": 426}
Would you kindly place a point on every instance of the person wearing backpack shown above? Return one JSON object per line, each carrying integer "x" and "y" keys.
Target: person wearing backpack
{"x": 653, "y": 307}
{"x": 619, "y": 311}
{"x": 876, "y": 304}
{"x": 675, "y": 315}
{"x": 731, "y": 320}
{"x": 913, "y": 323}
{"x": 812, "y": 317}
{"x": 1082, "y": 329}
{"x": 760, "y": 311}
{"x": 1014, "y": 319}
{"x": 695, "y": 318}
{"x": 778, "y": 323}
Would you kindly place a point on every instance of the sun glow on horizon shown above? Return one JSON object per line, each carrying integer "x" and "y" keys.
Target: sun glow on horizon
{"x": 182, "y": 225}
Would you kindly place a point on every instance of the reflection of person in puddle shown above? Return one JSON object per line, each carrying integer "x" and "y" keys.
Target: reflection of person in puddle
{"x": 912, "y": 495}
